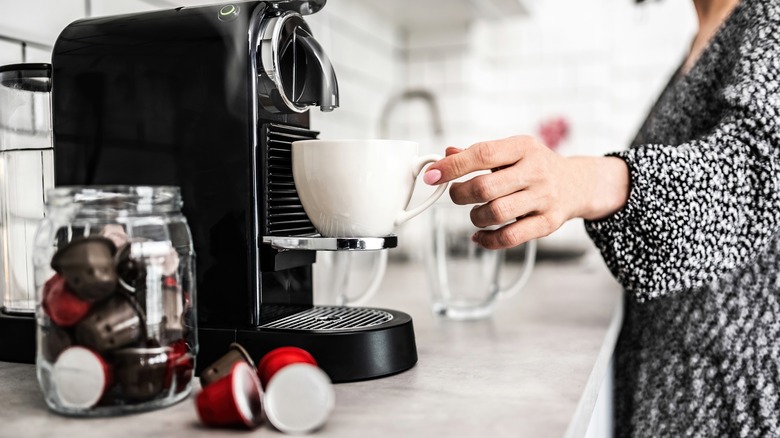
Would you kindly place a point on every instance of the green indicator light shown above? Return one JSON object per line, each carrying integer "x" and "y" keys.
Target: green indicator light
{"x": 227, "y": 10}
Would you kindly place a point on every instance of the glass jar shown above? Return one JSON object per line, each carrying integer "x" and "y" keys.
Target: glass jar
{"x": 116, "y": 323}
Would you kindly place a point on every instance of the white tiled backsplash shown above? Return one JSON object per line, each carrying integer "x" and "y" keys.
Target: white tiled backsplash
{"x": 366, "y": 51}
{"x": 599, "y": 64}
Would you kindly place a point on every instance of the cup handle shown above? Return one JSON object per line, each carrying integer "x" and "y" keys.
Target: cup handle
{"x": 377, "y": 275}
{"x": 417, "y": 167}
{"x": 525, "y": 273}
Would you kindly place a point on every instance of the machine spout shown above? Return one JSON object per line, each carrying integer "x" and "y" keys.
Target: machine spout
{"x": 328, "y": 98}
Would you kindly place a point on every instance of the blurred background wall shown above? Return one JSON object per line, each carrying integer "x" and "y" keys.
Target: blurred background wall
{"x": 492, "y": 68}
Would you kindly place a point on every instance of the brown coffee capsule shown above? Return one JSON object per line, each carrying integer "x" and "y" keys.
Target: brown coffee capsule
{"x": 131, "y": 272}
{"x": 141, "y": 372}
{"x": 169, "y": 336}
{"x": 54, "y": 341}
{"x": 224, "y": 364}
{"x": 88, "y": 267}
{"x": 113, "y": 324}
{"x": 173, "y": 308}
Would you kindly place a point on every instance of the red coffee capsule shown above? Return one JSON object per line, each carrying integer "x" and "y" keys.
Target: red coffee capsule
{"x": 180, "y": 366}
{"x": 233, "y": 400}
{"x": 80, "y": 378}
{"x": 299, "y": 398}
{"x": 279, "y": 358}
{"x": 60, "y": 303}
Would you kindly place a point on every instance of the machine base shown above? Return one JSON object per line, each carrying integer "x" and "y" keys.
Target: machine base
{"x": 345, "y": 354}
{"x": 17, "y": 338}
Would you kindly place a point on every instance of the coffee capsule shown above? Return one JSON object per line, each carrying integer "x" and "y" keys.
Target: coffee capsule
{"x": 88, "y": 267}
{"x": 223, "y": 366}
{"x": 160, "y": 253}
{"x": 299, "y": 398}
{"x": 141, "y": 372}
{"x": 113, "y": 324}
{"x": 233, "y": 400}
{"x": 115, "y": 233}
{"x": 80, "y": 378}
{"x": 130, "y": 271}
{"x": 53, "y": 341}
{"x": 173, "y": 308}
{"x": 276, "y": 359}
{"x": 181, "y": 364}
{"x": 61, "y": 304}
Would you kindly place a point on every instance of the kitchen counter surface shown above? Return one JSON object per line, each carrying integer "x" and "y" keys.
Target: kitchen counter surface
{"x": 534, "y": 370}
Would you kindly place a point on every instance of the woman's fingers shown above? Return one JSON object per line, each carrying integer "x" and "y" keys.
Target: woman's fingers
{"x": 480, "y": 156}
{"x": 487, "y": 187}
{"x": 507, "y": 208}
{"x": 452, "y": 150}
{"x": 528, "y": 181}
{"x": 516, "y": 233}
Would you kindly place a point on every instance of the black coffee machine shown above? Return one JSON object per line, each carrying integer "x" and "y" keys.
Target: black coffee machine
{"x": 210, "y": 99}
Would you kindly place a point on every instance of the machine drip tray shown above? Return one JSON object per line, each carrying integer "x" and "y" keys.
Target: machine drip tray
{"x": 332, "y": 319}
{"x": 349, "y": 343}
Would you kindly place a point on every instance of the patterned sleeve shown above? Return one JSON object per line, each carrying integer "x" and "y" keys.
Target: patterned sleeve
{"x": 699, "y": 210}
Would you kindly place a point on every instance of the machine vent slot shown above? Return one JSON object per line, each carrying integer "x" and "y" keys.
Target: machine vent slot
{"x": 283, "y": 213}
{"x": 327, "y": 318}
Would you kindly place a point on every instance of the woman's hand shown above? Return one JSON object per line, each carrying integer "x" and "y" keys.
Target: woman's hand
{"x": 531, "y": 186}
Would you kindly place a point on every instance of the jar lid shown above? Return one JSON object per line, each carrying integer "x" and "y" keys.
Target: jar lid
{"x": 141, "y": 199}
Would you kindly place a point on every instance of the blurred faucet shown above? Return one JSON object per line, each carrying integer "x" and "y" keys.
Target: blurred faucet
{"x": 411, "y": 94}
{"x": 411, "y": 231}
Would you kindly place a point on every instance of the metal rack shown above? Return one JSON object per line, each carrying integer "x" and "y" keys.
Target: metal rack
{"x": 315, "y": 242}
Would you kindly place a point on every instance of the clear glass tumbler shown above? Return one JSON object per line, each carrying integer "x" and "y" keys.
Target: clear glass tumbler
{"x": 348, "y": 278}
{"x": 467, "y": 280}
{"x": 114, "y": 271}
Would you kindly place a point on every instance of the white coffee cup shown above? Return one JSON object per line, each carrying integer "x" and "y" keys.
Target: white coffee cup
{"x": 359, "y": 188}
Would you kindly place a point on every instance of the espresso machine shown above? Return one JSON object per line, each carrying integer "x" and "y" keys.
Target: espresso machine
{"x": 210, "y": 99}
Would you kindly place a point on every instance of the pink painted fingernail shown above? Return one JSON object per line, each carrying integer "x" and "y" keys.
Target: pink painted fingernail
{"x": 432, "y": 176}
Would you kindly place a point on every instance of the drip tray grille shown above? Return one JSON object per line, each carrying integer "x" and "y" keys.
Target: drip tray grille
{"x": 331, "y": 319}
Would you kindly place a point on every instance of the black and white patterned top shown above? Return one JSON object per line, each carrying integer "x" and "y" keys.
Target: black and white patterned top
{"x": 697, "y": 247}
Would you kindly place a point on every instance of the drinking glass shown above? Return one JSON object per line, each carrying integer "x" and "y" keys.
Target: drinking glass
{"x": 466, "y": 280}
{"x": 348, "y": 277}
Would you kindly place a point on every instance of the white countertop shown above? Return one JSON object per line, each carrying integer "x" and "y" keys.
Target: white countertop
{"x": 534, "y": 370}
